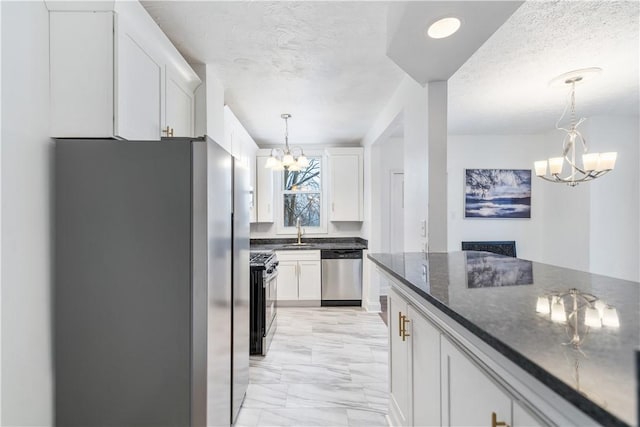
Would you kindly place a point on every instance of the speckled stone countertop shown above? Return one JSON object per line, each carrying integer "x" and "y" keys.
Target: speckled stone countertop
{"x": 313, "y": 244}
{"x": 494, "y": 297}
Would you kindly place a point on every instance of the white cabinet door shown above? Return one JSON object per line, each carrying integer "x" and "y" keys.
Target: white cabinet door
{"x": 309, "y": 280}
{"x": 399, "y": 387}
{"x": 469, "y": 396}
{"x": 346, "y": 178}
{"x": 522, "y": 418}
{"x": 253, "y": 148}
{"x": 179, "y": 106}
{"x": 425, "y": 368}
{"x": 264, "y": 196}
{"x": 81, "y": 74}
{"x": 138, "y": 86}
{"x": 288, "y": 281}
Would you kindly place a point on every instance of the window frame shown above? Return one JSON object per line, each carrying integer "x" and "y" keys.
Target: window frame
{"x": 280, "y": 193}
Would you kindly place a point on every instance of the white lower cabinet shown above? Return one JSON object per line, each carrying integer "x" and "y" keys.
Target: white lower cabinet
{"x": 470, "y": 398}
{"x": 399, "y": 362}
{"x": 299, "y": 277}
{"x": 435, "y": 381}
{"x": 414, "y": 365}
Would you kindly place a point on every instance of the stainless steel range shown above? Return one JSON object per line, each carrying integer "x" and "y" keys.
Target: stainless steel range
{"x": 264, "y": 290}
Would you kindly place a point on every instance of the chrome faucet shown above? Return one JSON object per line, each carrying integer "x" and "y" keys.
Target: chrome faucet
{"x": 299, "y": 230}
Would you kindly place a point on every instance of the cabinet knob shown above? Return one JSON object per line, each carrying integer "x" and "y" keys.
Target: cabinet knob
{"x": 495, "y": 422}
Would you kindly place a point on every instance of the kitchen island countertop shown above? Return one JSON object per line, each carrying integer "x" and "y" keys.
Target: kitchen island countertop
{"x": 494, "y": 297}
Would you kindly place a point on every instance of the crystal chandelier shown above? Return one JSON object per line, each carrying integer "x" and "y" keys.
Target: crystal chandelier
{"x": 292, "y": 159}
{"x": 594, "y": 165}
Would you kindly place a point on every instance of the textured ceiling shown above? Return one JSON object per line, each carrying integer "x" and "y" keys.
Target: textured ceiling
{"x": 503, "y": 87}
{"x": 408, "y": 46}
{"x": 323, "y": 62}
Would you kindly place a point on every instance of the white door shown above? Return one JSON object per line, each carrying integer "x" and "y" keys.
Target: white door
{"x": 396, "y": 212}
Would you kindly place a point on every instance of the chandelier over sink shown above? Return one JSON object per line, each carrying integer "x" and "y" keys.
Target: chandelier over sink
{"x": 594, "y": 165}
{"x": 292, "y": 159}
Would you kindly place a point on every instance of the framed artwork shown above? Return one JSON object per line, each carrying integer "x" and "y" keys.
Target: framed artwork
{"x": 497, "y": 193}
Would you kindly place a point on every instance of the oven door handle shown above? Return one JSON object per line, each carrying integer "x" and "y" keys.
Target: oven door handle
{"x": 268, "y": 279}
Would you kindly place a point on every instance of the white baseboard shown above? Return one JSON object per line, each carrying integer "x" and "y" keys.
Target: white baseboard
{"x": 372, "y": 307}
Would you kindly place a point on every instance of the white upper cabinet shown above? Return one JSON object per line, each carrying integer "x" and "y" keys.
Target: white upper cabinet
{"x": 346, "y": 184}
{"x": 239, "y": 143}
{"x": 114, "y": 74}
{"x": 137, "y": 115}
{"x": 179, "y": 106}
{"x": 265, "y": 190}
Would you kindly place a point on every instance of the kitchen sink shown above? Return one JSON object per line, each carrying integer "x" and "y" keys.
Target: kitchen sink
{"x": 295, "y": 245}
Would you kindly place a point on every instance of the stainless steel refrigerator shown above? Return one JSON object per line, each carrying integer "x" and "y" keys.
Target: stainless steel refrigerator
{"x": 151, "y": 283}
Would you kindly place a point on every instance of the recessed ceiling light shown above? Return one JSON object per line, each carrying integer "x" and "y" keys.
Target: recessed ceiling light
{"x": 443, "y": 28}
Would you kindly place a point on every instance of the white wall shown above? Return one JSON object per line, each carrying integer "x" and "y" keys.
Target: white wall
{"x": 334, "y": 229}
{"x": 410, "y": 102}
{"x": 491, "y": 152}
{"x": 615, "y": 201}
{"x": 592, "y": 227}
{"x": 27, "y": 155}
{"x": 0, "y": 215}
{"x": 209, "y": 105}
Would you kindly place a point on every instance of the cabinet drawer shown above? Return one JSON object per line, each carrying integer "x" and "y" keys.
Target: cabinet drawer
{"x": 298, "y": 255}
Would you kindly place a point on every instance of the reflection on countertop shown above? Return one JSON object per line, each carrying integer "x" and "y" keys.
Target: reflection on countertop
{"x": 504, "y": 316}
{"x": 311, "y": 243}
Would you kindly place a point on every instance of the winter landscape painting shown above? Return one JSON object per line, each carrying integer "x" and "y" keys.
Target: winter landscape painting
{"x": 497, "y": 193}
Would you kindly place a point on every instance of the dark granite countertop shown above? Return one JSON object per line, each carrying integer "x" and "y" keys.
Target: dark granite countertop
{"x": 494, "y": 297}
{"x": 313, "y": 243}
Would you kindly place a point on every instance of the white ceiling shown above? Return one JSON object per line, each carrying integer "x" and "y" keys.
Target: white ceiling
{"x": 325, "y": 63}
{"x": 322, "y": 62}
{"x": 503, "y": 87}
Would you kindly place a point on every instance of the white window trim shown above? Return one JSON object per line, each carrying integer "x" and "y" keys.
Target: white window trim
{"x": 279, "y": 211}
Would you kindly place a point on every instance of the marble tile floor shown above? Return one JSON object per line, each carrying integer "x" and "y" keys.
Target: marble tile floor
{"x": 327, "y": 366}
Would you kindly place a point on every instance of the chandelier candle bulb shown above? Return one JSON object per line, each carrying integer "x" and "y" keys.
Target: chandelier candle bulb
{"x": 303, "y": 161}
{"x": 600, "y": 306}
{"x": 590, "y": 161}
{"x": 607, "y": 161}
{"x": 271, "y": 162}
{"x": 541, "y": 167}
{"x": 610, "y": 317}
{"x": 557, "y": 311}
{"x": 592, "y": 317}
{"x": 543, "y": 305}
{"x": 555, "y": 165}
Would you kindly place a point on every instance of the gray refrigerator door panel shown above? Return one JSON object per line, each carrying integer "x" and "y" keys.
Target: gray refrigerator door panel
{"x": 122, "y": 294}
{"x": 241, "y": 282}
{"x": 219, "y": 203}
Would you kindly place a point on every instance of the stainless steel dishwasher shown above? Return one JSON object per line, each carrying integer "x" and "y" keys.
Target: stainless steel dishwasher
{"x": 341, "y": 277}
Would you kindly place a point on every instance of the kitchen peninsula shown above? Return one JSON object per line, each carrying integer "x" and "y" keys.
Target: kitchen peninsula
{"x": 468, "y": 347}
